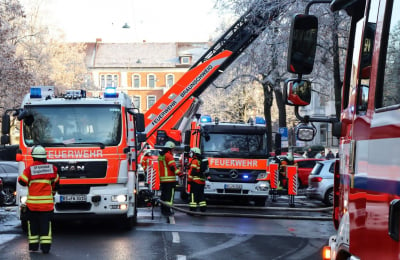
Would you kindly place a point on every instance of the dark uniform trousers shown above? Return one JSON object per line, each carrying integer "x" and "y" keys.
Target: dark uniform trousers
{"x": 167, "y": 195}
{"x": 197, "y": 197}
{"x": 39, "y": 229}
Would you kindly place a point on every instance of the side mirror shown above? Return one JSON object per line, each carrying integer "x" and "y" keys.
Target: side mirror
{"x": 140, "y": 127}
{"x": 305, "y": 132}
{"x": 297, "y": 92}
{"x": 5, "y": 124}
{"x": 302, "y": 44}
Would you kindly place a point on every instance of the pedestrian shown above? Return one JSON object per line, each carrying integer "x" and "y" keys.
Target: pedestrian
{"x": 310, "y": 153}
{"x": 330, "y": 155}
{"x": 168, "y": 171}
{"x": 318, "y": 155}
{"x": 42, "y": 179}
{"x": 197, "y": 181}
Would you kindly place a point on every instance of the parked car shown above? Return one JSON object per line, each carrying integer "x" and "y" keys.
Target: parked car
{"x": 320, "y": 182}
{"x": 9, "y": 175}
{"x": 304, "y": 168}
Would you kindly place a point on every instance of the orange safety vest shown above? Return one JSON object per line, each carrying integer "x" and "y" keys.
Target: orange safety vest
{"x": 194, "y": 172}
{"x": 41, "y": 179}
{"x": 164, "y": 168}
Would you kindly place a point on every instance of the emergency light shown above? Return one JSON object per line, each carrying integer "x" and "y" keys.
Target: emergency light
{"x": 41, "y": 91}
{"x": 110, "y": 92}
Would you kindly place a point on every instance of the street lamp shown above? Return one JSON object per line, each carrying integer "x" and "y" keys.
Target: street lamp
{"x": 126, "y": 26}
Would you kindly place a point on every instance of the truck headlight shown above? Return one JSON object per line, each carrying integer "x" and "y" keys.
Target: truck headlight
{"x": 262, "y": 176}
{"x": 262, "y": 187}
{"x": 118, "y": 198}
{"x": 23, "y": 199}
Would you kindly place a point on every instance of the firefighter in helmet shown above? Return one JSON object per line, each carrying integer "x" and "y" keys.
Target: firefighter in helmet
{"x": 197, "y": 181}
{"x": 41, "y": 178}
{"x": 168, "y": 171}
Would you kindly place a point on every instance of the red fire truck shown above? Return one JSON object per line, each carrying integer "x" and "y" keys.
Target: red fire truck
{"x": 92, "y": 141}
{"x": 367, "y": 177}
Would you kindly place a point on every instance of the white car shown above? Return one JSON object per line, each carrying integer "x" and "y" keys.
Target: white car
{"x": 320, "y": 182}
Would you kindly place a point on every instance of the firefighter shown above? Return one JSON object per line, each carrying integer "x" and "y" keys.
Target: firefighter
{"x": 197, "y": 181}
{"x": 168, "y": 172}
{"x": 41, "y": 178}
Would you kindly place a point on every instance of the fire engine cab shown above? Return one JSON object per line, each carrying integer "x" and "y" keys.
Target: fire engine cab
{"x": 92, "y": 142}
{"x": 367, "y": 177}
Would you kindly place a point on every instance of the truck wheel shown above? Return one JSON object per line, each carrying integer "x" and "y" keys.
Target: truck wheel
{"x": 260, "y": 202}
{"x": 128, "y": 223}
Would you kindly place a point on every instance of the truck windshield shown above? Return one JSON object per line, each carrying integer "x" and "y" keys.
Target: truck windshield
{"x": 235, "y": 143}
{"x": 60, "y": 125}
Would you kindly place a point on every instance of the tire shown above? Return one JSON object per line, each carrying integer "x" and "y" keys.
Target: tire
{"x": 260, "y": 202}
{"x": 128, "y": 223}
{"x": 328, "y": 198}
{"x": 9, "y": 198}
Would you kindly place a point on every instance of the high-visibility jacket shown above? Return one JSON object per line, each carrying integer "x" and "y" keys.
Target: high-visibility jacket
{"x": 41, "y": 179}
{"x": 167, "y": 168}
{"x": 194, "y": 172}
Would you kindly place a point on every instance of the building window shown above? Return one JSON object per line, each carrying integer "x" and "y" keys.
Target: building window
{"x": 151, "y": 80}
{"x": 109, "y": 81}
{"x": 136, "y": 81}
{"x": 170, "y": 80}
{"x": 136, "y": 101}
{"x": 185, "y": 60}
{"x": 151, "y": 100}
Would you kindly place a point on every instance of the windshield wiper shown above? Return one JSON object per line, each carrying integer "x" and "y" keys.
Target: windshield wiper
{"x": 52, "y": 144}
{"x": 102, "y": 145}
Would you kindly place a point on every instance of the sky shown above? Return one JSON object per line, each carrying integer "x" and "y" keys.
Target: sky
{"x": 149, "y": 20}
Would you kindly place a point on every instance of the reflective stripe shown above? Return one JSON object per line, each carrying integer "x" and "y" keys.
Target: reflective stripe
{"x": 39, "y": 201}
{"x": 47, "y": 239}
{"x": 40, "y": 181}
{"x": 24, "y": 178}
{"x": 167, "y": 178}
{"x": 40, "y": 197}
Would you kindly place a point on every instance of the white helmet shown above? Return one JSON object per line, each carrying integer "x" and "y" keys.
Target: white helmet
{"x": 38, "y": 151}
{"x": 169, "y": 145}
{"x": 196, "y": 150}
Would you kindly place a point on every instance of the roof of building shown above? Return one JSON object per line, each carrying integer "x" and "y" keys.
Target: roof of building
{"x": 141, "y": 54}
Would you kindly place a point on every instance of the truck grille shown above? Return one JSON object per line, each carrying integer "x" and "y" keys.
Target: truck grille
{"x": 232, "y": 175}
{"x": 85, "y": 206}
{"x": 81, "y": 169}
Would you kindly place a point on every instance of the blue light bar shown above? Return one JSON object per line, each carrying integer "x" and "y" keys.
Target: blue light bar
{"x": 36, "y": 92}
{"x": 245, "y": 176}
{"x": 110, "y": 92}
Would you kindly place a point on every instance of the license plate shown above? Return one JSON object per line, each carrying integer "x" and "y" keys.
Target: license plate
{"x": 233, "y": 186}
{"x": 72, "y": 198}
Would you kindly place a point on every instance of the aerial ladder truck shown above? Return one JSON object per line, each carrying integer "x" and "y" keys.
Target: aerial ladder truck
{"x": 172, "y": 115}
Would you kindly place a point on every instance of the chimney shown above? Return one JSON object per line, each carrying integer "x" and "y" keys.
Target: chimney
{"x": 98, "y": 40}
